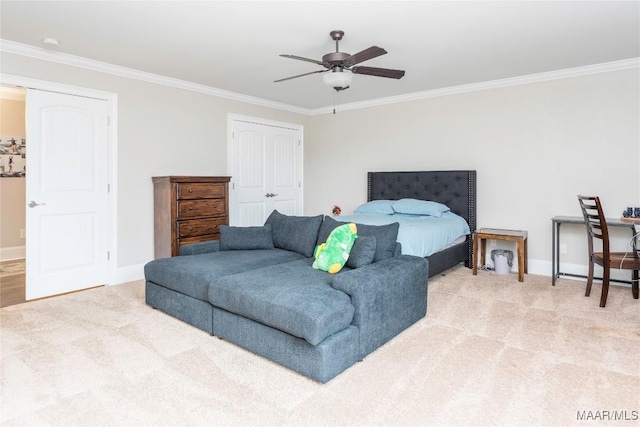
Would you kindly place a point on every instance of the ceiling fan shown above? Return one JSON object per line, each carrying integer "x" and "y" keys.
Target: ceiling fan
{"x": 339, "y": 66}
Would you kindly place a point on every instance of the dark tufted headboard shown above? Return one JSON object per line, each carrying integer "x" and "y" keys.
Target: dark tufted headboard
{"x": 456, "y": 189}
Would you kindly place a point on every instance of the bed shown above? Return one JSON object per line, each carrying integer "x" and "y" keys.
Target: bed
{"x": 455, "y": 189}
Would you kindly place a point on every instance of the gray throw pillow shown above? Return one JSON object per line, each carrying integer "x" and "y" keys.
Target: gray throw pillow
{"x": 362, "y": 252}
{"x": 386, "y": 235}
{"x": 243, "y": 238}
{"x": 294, "y": 233}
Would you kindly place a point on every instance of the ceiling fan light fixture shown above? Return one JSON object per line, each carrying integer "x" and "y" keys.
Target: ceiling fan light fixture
{"x": 335, "y": 78}
{"x": 339, "y": 66}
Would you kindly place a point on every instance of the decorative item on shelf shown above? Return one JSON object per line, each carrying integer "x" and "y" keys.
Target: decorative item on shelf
{"x": 336, "y": 210}
{"x": 631, "y": 215}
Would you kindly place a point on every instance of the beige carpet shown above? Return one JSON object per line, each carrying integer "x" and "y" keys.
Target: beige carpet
{"x": 491, "y": 351}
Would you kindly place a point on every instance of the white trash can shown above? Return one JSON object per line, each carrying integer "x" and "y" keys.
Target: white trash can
{"x": 502, "y": 260}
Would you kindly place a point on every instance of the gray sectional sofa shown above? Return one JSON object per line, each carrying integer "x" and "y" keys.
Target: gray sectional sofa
{"x": 256, "y": 287}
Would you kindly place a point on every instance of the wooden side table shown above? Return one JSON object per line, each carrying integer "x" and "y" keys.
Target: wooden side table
{"x": 518, "y": 236}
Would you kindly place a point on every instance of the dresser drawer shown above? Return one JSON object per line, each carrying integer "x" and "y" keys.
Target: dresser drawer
{"x": 199, "y": 227}
{"x": 188, "y": 209}
{"x": 200, "y": 191}
{"x": 197, "y": 239}
{"x": 202, "y": 207}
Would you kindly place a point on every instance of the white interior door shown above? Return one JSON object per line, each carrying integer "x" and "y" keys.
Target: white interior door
{"x": 67, "y": 193}
{"x": 266, "y": 171}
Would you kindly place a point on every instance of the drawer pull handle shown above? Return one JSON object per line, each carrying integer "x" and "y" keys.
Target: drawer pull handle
{"x": 190, "y": 208}
{"x": 190, "y": 190}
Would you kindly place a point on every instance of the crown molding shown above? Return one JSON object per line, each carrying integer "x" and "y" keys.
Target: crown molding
{"x": 12, "y": 93}
{"x": 103, "y": 67}
{"x": 492, "y": 84}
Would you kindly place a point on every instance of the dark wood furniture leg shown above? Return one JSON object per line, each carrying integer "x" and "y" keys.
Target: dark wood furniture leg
{"x": 520, "y": 249}
{"x": 483, "y": 252}
{"x": 605, "y": 286}
{"x": 589, "y": 278}
{"x": 475, "y": 255}
{"x": 526, "y": 256}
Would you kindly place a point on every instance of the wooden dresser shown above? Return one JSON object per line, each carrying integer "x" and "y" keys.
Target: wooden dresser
{"x": 188, "y": 209}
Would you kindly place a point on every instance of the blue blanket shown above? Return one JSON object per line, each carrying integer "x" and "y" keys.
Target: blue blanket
{"x": 419, "y": 235}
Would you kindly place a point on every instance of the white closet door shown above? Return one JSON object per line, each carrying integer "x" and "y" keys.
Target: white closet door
{"x": 67, "y": 194}
{"x": 266, "y": 171}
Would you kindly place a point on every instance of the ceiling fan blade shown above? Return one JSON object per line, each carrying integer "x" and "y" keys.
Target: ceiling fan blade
{"x": 300, "y": 75}
{"x": 364, "y": 55}
{"x": 300, "y": 58}
{"x": 378, "y": 72}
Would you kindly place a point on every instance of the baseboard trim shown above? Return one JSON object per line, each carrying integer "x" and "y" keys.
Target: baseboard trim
{"x": 543, "y": 268}
{"x": 129, "y": 273}
{"x": 11, "y": 253}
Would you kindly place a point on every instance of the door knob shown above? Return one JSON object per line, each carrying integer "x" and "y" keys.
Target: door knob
{"x": 270, "y": 195}
{"x": 33, "y": 204}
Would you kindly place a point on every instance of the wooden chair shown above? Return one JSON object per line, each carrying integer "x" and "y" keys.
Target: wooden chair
{"x": 597, "y": 229}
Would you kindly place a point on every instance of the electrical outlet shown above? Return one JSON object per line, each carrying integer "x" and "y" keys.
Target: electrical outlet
{"x": 563, "y": 248}
{"x": 22, "y": 233}
{"x": 492, "y": 242}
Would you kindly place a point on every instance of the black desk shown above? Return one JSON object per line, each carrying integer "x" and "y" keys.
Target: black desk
{"x": 556, "y": 221}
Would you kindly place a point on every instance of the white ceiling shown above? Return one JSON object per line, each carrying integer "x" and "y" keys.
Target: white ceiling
{"x": 234, "y": 46}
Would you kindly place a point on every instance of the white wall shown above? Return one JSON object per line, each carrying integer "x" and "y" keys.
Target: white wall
{"x": 161, "y": 131}
{"x": 535, "y": 147}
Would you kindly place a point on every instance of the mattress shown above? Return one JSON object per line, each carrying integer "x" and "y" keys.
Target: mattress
{"x": 419, "y": 235}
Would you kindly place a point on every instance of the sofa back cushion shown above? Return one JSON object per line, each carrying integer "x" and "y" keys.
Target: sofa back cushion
{"x": 294, "y": 233}
{"x": 363, "y": 252}
{"x": 386, "y": 236}
{"x": 245, "y": 238}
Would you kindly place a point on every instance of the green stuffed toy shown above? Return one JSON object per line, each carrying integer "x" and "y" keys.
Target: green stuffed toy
{"x": 332, "y": 255}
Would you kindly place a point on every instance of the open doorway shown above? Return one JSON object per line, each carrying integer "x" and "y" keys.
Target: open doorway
{"x": 56, "y": 253}
{"x": 12, "y": 195}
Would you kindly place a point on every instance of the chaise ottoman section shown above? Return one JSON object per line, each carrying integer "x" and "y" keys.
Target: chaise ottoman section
{"x": 320, "y": 362}
{"x": 188, "y": 309}
{"x": 179, "y": 286}
{"x": 291, "y": 297}
{"x": 191, "y": 275}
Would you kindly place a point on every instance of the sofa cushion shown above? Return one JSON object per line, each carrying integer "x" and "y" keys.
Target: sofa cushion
{"x": 386, "y": 236}
{"x": 332, "y": 255}
{"x": 245, "y": 238}
{"x": 295, "y": 233}
{"x": 191, "y": 275}
{"x": 291, "y": 297}
{"x": 362, "y": 253}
